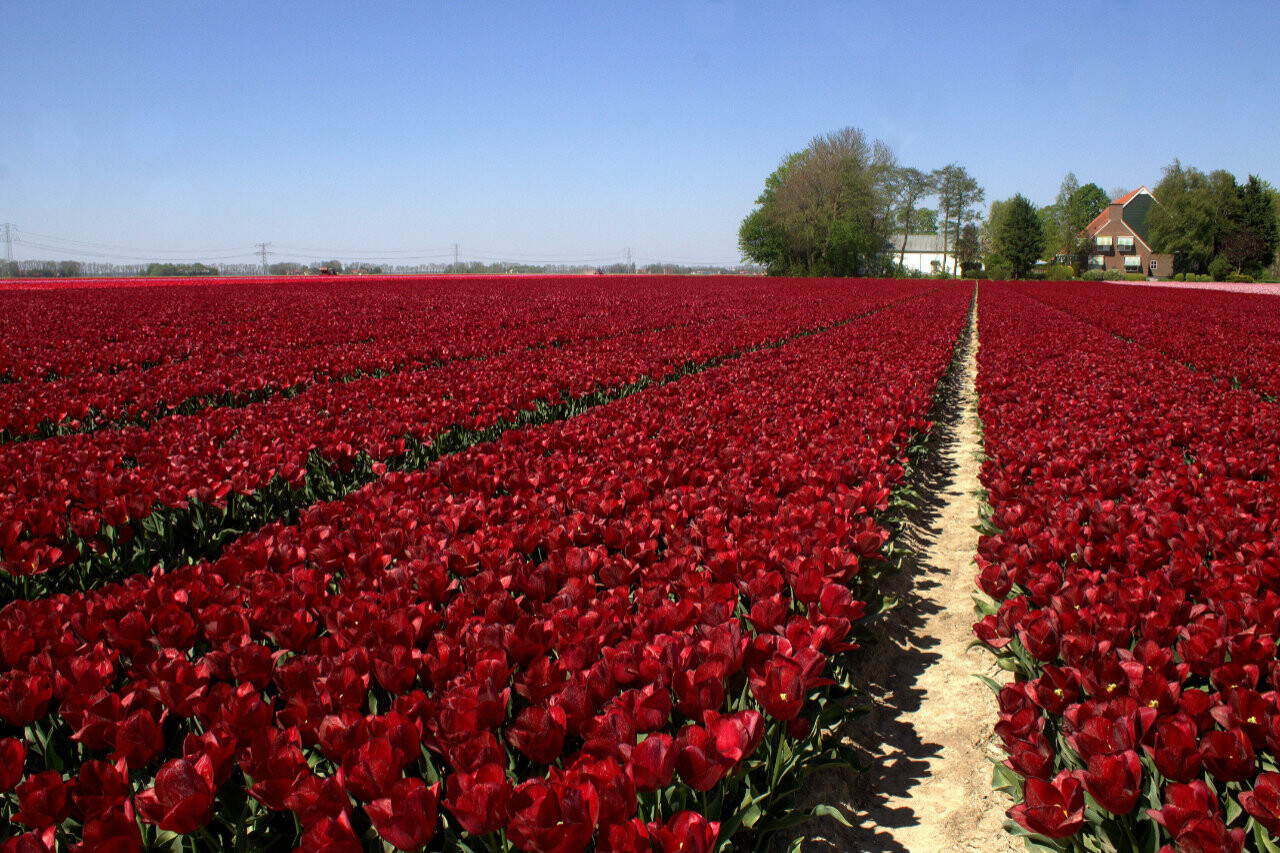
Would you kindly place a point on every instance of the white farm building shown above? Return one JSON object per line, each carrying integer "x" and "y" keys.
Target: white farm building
{"x": 923, "y": 253}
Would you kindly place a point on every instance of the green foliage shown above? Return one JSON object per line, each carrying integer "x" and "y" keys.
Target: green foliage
{"x": 1240, "y": 277}
{"x": 1093, "y": 275}
{"x": 1020, "y": 238}
{"x": 1182, "y": 223}
{"x": 958, "y": 198}
{"x": 1065, "y": 219}
{"x": 968, "y": 248}
{"x": 1135, "y": 276}
{"x": 1180, "y": 276}
{"x": 1059, "y": 272}
{"x": 826, "y": 210}
{"x": 923, "y": 220}
{"x": 1204, "y": 218}
{"x": 1220, "y": 268}
{"x": 171, "y": 270}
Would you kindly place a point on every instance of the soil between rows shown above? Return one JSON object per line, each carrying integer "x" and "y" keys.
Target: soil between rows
{"x": 927, "y": 734}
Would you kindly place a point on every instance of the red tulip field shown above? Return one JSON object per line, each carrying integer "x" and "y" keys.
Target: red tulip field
{"x": 563, "y": 564}
{"x": 1132, "y": 570}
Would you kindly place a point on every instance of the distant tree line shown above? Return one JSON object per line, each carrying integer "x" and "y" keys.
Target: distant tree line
{"x": 834, "y": 209}
{"x": 41, "y": 269}
{"x": 79, "y": 269}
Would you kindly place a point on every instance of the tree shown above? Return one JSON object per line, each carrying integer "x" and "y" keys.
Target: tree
{"x": 761, "y": 237}
{"x": 825, "y": 210}
{"x": 968, "y": 251}
{"x": 958, "y": 198}
{"x": 1020, "y": 238}
{"x": 1084, "y": 205}
{"x": 1181, "y": 224}
{"x": 997, "y": 265}
{"x": 1251, "y": 245}
{"x": 1064, "y": 221}
{"x": 909, "y": 186}
{"x": 924, "y": 220}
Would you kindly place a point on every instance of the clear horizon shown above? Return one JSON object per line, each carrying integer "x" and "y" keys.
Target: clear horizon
{"x": 576, "y": 132}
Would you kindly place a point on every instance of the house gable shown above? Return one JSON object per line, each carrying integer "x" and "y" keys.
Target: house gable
{"x": 1136, "y": 212}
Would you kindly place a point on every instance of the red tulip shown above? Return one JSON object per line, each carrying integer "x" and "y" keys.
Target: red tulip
{"x": 406, "y": 818}
{"x": 100, "y": 787}
{"x": 737, "y": 736}
{"x": 331, "y": 835}
{"x": 1190, "y": 815}
{"x": 653, "y": 762}
{"x": 479, "y": 800}
{"x": 24, "y": 698}
{"x": 138, "y": 740}
{"x": 1263, "y": 802}
{"x": 1176, "y": 751}
{"x": 780, "y": 688}
{"x": 13, "y": 756}
{"x": 182, "y": 799}
{"x": 629, "y": 837}
{"x": 555, "y": 815}
{"x": 42, "y": 800}
{"x": 112, "y": 831}
{"x": 686, "y": 832}
{"x": 1228, "y": 755}
{"x": 539, "y": 733}
{"x": 1053, "y": 809}
{"x": 372, "y": 770}
{"x": 1114, "y": 781}
{"x": 698, "y": 761}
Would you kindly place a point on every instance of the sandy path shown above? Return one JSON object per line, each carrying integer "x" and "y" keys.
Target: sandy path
{"x": 928, "y": 733}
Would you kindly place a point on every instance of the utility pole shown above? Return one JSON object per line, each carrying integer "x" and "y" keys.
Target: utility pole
{"x": 630, "y": 265}
{"x": 455, "y": 257}
{"x": 8, "y": 244}
{"x": 262, "y": 247}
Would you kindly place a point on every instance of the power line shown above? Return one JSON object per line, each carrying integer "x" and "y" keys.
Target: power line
{"x": 108, "y": 252}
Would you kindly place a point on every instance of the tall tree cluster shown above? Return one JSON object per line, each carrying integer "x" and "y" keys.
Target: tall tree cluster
{"x": 958, "y": 198}
{"x": 1212, "y": 221}
{"x": 832, "y": 208}
{"x": 1014, "y": 237}
{"x": 1064, "y": 221}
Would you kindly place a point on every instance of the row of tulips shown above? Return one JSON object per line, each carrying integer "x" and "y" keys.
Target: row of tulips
{"x": 615, "y": 632}
{"x": 77, "y": 510}
{"x": 1230, "y": 336}
{"x": 103, "y": 328}
{"x": 1131, "y": 580}
{"x": 128, "y": 356}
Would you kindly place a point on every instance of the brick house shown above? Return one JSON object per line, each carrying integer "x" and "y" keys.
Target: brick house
{"x": 1119, "y": 235}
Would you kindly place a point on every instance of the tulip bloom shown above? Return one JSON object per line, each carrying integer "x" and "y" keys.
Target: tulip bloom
{"x": 1053, "y": 809}
{"x": 182, "y": 799}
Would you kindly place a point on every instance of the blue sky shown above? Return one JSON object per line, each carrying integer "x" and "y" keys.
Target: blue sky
{"x": 548, "y": 131}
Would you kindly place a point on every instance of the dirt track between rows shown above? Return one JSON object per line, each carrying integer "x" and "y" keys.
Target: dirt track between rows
{"x": 927, "y": 735}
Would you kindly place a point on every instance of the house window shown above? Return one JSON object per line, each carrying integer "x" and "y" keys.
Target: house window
{"x": 1102, "y": 242}
{"x": 1132, "y": 262}
{"x": 1096, "y": 262}
{"x": 1124, "y": 244}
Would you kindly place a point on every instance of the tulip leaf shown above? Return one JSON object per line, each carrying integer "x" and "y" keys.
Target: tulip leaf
{"x": 1005, "y": 780}
{"x": 825, "y": 810}
{"x": 1265, "y": 842}
{"x": 995, "y": 686}
{"x": 1233, "y": 809}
